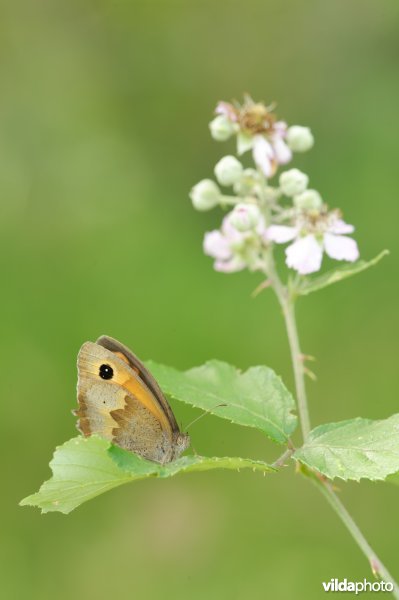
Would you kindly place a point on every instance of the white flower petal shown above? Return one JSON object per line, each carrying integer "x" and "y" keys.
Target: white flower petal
{"x": 281, "y": 233}
{"x": 282, "y": 152}
{"x": 341, "y": 247}
{"x": 263, "y": 155}
{"x": 216, "y": 245}
{"x": 304, "y": 255}
{"x": 339, "y": 226}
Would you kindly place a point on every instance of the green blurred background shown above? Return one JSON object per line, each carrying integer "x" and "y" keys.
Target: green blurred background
{"x": 104, "y": 111}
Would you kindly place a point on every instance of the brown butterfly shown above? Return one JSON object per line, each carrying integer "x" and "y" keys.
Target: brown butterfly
{"x": 120, "y": 401}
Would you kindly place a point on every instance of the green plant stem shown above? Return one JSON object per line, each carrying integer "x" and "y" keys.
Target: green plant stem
{"x": 281, "y": 461}
{"x": 376, "y": 565}
{"x": 297, "y": 364}
{"x": 287, "y": 304}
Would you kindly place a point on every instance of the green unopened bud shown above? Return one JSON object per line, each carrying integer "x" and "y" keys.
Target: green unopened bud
{"x": 293, "y": 182}
{"x": 308, "y": 200}
{"x": 228, "y": 170}
{"x": 299, "y": 139}
{"x": 245, "y": 217}
{"x": 221, "y": 128}
{"x": 271, "y": 194}
{"x": 248, "y": 180}
{"x": 205, "y": 195}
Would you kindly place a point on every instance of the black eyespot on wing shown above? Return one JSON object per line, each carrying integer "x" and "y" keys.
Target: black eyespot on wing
{"x": 106, "y": 372}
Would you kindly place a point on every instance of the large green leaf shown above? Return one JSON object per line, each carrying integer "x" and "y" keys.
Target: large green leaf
{"x": 354, "y": 449}
{"x": 86, "y": 467}
{"x": 257, "y": 398}
{"x": 308, "y": 285}
{"x": 393, "y": 478}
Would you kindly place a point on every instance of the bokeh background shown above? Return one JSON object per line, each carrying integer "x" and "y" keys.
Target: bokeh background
{"x": 104, "y": 111}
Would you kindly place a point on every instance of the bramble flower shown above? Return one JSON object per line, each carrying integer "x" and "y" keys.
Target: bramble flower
{"x": 261, "y": 214}
{"x": 313, "y": 233}
{"x": 258, "y": 130}
{"x": 234, "y": 250}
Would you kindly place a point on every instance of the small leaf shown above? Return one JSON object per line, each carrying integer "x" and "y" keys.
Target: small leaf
{"x": 317, "y": 283}
{"x": 354, "y": 449}
{"x": 256, "y": 398}
{"x": 86, "y": 467}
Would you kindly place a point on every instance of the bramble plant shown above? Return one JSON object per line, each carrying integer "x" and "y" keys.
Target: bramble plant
{"x": 258, "y": 215}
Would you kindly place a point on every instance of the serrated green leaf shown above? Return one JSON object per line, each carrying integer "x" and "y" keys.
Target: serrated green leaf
{"x": 128, "y": 462}
{"x": 86, "y": 467}
{"x": 393, "y": 478}
{"x": 317, "y": 283}
{"x": 256, "y": 398}
{"x": 354, "y": 449}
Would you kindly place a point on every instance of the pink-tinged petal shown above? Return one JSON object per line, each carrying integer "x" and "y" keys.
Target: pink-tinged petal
{"x": 263, "y": 155}
{"x": 304, "y": 255}
{"x": 341, "y": 247}
{"x": 216, "y": 245}
{"x": 281, "y": 233}
{"x": 229, "y": 266}
{"x": 280, "y": 127}
{"x": 339, "y": 226}
{"x": 226, "y": 109}
{"x": 282, "y": 153}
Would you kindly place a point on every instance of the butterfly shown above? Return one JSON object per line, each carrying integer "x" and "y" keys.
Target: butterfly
{"x": 120, "y": 401}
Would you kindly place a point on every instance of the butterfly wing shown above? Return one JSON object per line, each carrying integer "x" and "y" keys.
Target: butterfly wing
{"x": 116, "y": 403}
{"x": 135, "y": 363}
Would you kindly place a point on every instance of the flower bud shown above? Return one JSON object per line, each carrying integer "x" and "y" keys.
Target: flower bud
{"x": 271, "y": 194}
{"x": 308, "y": 200}
{"x": 221, "y": 128}
{"x": 299, "y": 139}
{"x": 205, "y": 195}
{"x": 228, "y": 170}
{"x": 245, "y": 217}
{"x": 248, "y": 180}
{"x": 293, "y": 182}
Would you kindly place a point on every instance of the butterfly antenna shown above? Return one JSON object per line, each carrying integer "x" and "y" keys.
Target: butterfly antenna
{"x": 207, "y": 412}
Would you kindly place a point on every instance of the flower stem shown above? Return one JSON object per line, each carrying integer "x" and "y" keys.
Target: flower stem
{"x": 297, "y": 364}
{"x": 281, "y": 461}
{"x": 378, "y": 568}
{"x": 287, "y": 304}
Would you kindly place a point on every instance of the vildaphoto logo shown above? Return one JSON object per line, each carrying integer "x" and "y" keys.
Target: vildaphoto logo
{"x": 335, "y": 585}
